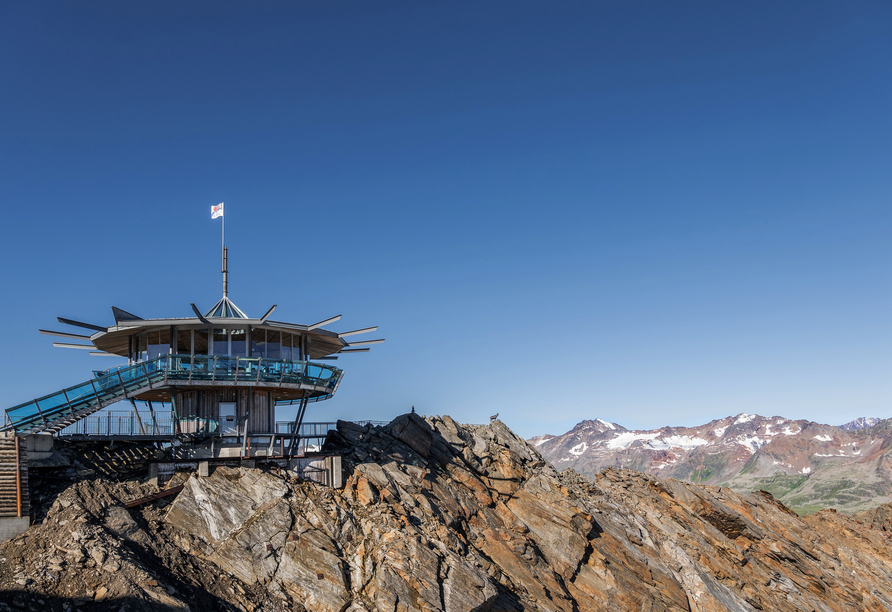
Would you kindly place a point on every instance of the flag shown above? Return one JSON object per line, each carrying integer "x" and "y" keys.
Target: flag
{"x": 217, "y": 211}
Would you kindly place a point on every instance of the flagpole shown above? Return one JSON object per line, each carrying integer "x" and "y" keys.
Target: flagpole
{"x": 225, "y": 263}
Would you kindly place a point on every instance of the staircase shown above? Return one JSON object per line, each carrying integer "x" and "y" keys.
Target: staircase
{"x": 54, "y": 412}
{"x": 14, "y": 496}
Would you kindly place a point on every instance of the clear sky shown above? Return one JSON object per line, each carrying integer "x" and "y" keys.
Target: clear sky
{"x": 656, "y": 213}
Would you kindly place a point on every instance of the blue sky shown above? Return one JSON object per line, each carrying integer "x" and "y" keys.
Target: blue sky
{"x": 653, "y": 213}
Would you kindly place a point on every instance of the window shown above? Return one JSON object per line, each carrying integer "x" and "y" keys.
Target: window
{"x": 258, "y": 342}
{"x": 221, "y": 342}
{"x": 158, "y": 343}
{"x": 273, "y": 344}
{"x": 286, "y": 346}
{"x": 184, "y": 341}
{"x": 201, "y": 342}
{"x": 239, "y": 346}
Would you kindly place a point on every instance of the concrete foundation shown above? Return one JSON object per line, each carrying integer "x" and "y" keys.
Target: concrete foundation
{"x": 11, "y": 527}
{"x": 39, "y": 446}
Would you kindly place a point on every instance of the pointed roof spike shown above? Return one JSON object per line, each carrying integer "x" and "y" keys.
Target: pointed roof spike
{"x": 123, "y": 315}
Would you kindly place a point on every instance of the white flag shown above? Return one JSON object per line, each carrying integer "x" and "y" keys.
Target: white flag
{"x": 217, "y": 211}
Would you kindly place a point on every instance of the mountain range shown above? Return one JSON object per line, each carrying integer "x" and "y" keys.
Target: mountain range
{"x": 807, "y": 465}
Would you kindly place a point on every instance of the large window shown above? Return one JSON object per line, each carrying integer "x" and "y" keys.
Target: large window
{"x": 184, "y": 341}
{"x": 273, "y": 344}
{"x": 286, "y": 346}
{"x": 221, "y": 342}
{"x": 258, "y": 342}
{"x": 239, "y": 346}
{"x": 201, "y": 341}
{"x": 158, "y": 343}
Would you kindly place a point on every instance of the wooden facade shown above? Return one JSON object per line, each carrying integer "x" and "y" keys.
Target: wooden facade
{"x": 204, "y": 403}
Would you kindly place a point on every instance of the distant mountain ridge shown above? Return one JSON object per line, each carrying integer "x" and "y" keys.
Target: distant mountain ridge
{"x": 861, "y": 423}
{"x": 807, "y": 465}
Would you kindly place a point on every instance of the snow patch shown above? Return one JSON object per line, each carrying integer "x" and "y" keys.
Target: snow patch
{"x": 606, "y": 424}
{"x": 824, "y": 438}
{"x": 720, "y": 431}
{"x": 790, "y": 432}
{"x": 744, "y": 418}
{"x": 579, "y": 449}
{"x": 805, "y": 470}
{"x": 753, "y": 443}
{"x": 683, "y": 442}
{"x": 626, "y": 438}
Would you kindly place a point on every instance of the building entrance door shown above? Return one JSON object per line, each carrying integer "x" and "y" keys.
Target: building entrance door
{"x": 228, "y": 424}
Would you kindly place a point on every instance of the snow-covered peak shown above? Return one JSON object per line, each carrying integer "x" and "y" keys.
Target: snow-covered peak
{"x": 606, "y": 424}
{"x": 861, "y": 423}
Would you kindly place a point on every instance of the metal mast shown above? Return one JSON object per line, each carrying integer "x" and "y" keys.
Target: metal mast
{"x": 225, "y": 260}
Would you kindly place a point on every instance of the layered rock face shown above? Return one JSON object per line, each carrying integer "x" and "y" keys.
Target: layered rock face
{"x": 807, "y": 465}
{"x": 441, "y": 516}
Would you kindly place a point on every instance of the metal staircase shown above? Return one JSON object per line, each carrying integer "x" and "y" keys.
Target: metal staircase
{"x": 56, "y": 411}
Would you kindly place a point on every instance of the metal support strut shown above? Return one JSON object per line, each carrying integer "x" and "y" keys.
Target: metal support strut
{"x": 298, "y": 421}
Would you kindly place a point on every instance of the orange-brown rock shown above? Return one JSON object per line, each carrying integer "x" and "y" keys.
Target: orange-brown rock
{"x": 436, "y": 516}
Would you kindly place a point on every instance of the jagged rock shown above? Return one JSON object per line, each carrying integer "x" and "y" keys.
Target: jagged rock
{"x": 437, "y": 516}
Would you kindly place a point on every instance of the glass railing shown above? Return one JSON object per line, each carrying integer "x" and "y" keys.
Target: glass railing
{"x": 251, "y": 369}
{"x": 121, "y": 423}
{"x": 114, "y": 384}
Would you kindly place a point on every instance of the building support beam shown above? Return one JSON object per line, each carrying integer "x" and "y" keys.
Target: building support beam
{"x": 295, "y": 428}
{"x": 247, "y": 416}
{"x": 142, "y": 430}
{"x": 154, "y": 422}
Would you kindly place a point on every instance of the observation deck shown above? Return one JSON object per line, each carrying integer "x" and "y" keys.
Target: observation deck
{"x": 153, "y": 379}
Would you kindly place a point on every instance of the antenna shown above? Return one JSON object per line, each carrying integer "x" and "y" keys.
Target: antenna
{"x": 225, "y": 271}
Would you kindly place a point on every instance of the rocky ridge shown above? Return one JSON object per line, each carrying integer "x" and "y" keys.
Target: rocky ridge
{"x": 807, "y": 465}
{"x": 437, "y": 516}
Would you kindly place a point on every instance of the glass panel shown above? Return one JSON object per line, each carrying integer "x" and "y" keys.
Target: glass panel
{"x": 184, "y": 341}
{"x": 258, "y": 343}
{"x": 164, "y": 342}
{"x": 286, "y": 346}
{"x": 239, "y": 343}
{"x": 201, "y": 342}
{"x": 273, "y": 344}
{"x": 142, "y": 347}
{"x": 156, "y": 348}
{"x": 221, "y": 342}
{"x": 203, "y": 366}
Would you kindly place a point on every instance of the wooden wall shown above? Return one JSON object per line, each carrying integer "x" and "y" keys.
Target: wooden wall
{"x": 204, "y": 403}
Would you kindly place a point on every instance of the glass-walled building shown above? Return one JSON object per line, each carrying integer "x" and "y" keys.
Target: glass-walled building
{"x": 222, "y": 372}
{"x": 230, "y": 341}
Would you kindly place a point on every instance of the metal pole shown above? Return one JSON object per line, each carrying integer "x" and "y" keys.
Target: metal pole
{"x": 154, "y": 422}
{"x": 247, "y": 414}
{"x": 18, "y": 478}
{"x": 142, "y": 429}
{"x": 298, "y": 420}
{"x": 223, "y": 244}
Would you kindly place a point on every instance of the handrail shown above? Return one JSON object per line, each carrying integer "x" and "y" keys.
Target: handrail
{"x": 109, "y": 386}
